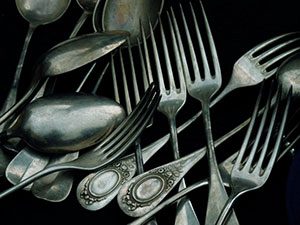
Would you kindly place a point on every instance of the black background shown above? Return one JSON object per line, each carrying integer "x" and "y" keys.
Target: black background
{"x": 237, "y": 26}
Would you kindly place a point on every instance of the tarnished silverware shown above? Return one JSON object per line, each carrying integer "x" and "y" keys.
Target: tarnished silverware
{"x": 36, "y": 12}
{"x": 250, "y": 173}
{"x": 126, "y": 15}
{"x": 203, "y": 87}
{"x": 173, "y": 99}
{"x": 108, "y": 150}
{"x": 67, "y": 56}
{"x": 225, "y": 168}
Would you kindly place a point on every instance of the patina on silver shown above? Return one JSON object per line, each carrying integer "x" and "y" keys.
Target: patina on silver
{"x": 173, "y": 99}
{"x": 67, "y": 56}
{"x": 225, "y": 168}
{"x": 250, "y": 173}
{"x": 126, "y": 15}
{"x": 66, "y": 123}
{"x": 36, "y": 12}
{"x": 108, "y": 150}
{"x": 88, "y": 7}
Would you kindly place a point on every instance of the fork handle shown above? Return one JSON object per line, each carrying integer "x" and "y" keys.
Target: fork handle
{"x": 217, "y": 195}
{"x": 223, "y": 216}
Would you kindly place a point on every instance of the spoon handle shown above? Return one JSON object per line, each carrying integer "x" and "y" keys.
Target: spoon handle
{"x": 79, "y": 23}
{"x": 12, "y": 95}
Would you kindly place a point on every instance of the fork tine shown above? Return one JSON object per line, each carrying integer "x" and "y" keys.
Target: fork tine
{"x": 212, "y": 46}
{"x": 148, "y": 64}
{"x": 192, "y": 51}
{"x": 279, "y": 135}
{"x": 180, "y": 45}
{"x": 255, "y": 148}
{"x": 137, "y": 118}
{"x": 133, "y": 74}
{"x": 142, "y": 61}
{"x": 125, "y": 84}
{"x": 269, "y": 42}
{"x": 200, "y": 41}
{"x": 86, "y": 77}
{"x": 182, "y": 85}
{"x": 279, "y": 58}
{"x": 167, "y": 58}
{"x": 157, "y": 61}
{"x": 135, "y": 130}
{"x": 270, "y": 51}
{"x": 134, "y": 114}
{"x": 96, "y": 87}
{"x": 250, "y": 128}
{"x": 114, "y": 79}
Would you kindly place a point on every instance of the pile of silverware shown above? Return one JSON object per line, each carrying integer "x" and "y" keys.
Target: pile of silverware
{"x": 142, "y": 62}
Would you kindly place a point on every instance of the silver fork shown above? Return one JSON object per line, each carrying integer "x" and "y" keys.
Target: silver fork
{"x": 203, "y": 88}
{"x": 247, "y": 173}
{"x": 111, "y": 148}
{"x": 172, "y": 100}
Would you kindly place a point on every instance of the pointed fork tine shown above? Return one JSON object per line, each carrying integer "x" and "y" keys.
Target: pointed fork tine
{"x": 250, "y": 128}
{"x": 147, "y": 58}
{"x": 172, "y": 85}
{"x": 265, "y": 44}
{"x": 125, "y": 84}
{"x": 157, "y": 61}
{"x": 255, "y": 148}
{"x": 271, "y": 162}
{"x": 142, "y": 61}
{"x": 191, "y": 50}
{"x": 152, "y": 90}
{"x": 133, "y": 74}
{"x": 178, "y": 61}
{"x": 96, "y": 87}
{"x": 114, "y": 79}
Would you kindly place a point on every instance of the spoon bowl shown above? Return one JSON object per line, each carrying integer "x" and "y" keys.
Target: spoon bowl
{"x": 41, "y": 12}
{"x": 67, "y": 56}
{"x": 288, "y": 75}
{"x": 66, "y": 123}
{"x": 127, "y": 15}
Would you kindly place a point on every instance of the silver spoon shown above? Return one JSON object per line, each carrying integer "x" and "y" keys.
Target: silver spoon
{"x": 66, "y": 123}
{"x": 67, "y": 56}
{"x": 36, "y": 12}
{"x": 126, "y": 15}
{"x": 88, "y": 7}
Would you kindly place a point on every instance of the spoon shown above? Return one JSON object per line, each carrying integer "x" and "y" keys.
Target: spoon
{"x": 288, "y": 75}
{"x": 127, "y": 15}
{"x": 28, "y": 162}
{"x": 88, "y": 7}
{"x": 67, "y": 56}
{"x": 36, "y": 12}
{"x": 66, "y": 123}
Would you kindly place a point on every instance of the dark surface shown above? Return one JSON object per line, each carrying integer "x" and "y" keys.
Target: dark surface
{"x": 237, "y": 26}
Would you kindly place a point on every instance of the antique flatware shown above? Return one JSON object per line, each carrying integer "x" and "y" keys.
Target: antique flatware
{"x": 126, "y": 15}
{"x": 108, "y": 150}
{"x": 67, "y": 56}
{"x": 202, "y": 87}
{"x": 248, "y": 172}
{"x": 173, "y": 99}
{"x": 36, "y": 12}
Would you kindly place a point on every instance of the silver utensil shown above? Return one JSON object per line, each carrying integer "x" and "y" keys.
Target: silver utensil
{"x": 250, "y": 173}
{"x": 47, "y": 125}
{"x": 173, "y": 99}
{"x": 108, "y": 150}
{"x": 36, "y": 12}
{"x": 88, "y": 7}
{"x": 67, "y": 56}
{"x": 126, "y": 15}
{"x": 203, "y": 87}
{"x": 225, "y": 168}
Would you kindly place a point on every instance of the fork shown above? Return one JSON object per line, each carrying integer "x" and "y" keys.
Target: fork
{"x": 111, "y": 148}
{"x": 172, "y": 100}
{"x": 203, "y": 88}
{"x": 247, "y": 173}
{"x": 225, "y": 168}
